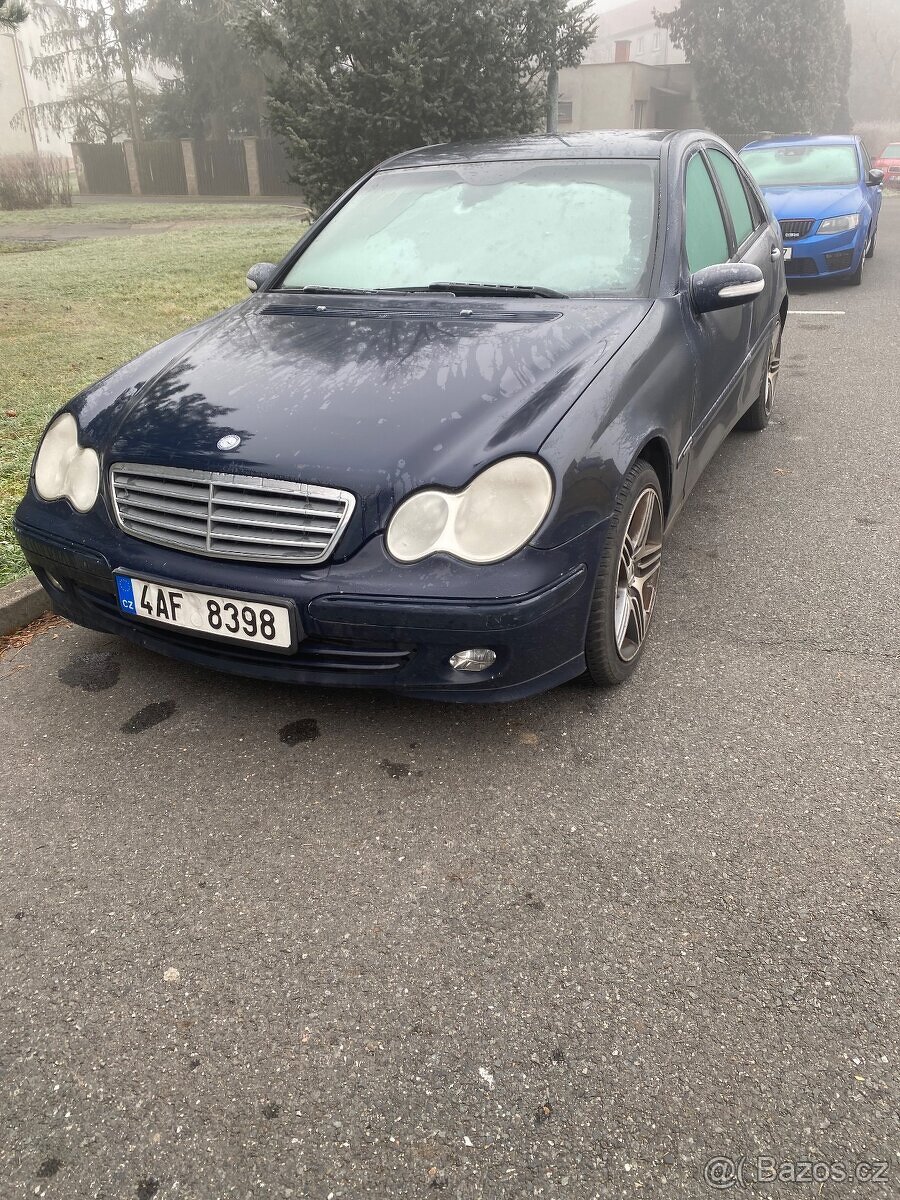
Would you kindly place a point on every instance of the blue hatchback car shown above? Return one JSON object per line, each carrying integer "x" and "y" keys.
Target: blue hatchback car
{"x": 826, "y": 196}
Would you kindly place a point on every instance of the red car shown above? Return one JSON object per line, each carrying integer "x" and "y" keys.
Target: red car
{"x": 889, "y": 162}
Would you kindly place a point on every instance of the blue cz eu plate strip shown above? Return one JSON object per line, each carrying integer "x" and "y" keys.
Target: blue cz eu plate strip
{"x": 126, "y": 594}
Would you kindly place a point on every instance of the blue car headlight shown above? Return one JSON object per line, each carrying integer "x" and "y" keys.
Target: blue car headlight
{"x": 491, "y": 518}
{"x": 839, "y": 224}
{"x": 65, "y": 470}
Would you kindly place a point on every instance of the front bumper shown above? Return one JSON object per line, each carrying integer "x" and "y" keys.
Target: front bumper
{"x": 367, "y": 622}
{"x": 833, "y": 255}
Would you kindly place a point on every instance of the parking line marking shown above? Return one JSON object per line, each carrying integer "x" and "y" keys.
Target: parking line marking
{"x": 815, "y": 312}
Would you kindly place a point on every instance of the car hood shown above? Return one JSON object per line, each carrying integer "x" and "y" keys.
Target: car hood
{"x": 803, "y": 203}
{"x": 377, "y": 395}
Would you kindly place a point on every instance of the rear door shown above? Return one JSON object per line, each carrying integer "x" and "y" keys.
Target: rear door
{"x": 756, "y": 242}
{"x": 721, "y": 340}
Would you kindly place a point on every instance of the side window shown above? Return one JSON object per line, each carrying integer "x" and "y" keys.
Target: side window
{"x": 735, "y": 196}
{"x": 758, "y": 208}
{"x": 705, "y": 240}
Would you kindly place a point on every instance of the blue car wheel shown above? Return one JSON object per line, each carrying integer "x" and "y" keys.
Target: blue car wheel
{"x": 856, "y": 278}
{"x": 870, "y": 250}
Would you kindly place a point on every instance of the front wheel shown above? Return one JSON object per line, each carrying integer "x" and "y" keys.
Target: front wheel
{"x": 856, "y": 278}
{"x": 625, "y": 592}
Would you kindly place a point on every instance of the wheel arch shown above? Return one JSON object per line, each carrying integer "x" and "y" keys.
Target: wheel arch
{"x": 655, "y": 451}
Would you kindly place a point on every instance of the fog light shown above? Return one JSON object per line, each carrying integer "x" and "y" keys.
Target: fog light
{"x": 472, "y": 660}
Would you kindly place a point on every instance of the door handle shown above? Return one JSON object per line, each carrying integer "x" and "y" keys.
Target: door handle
{"x": 776, "y": 253}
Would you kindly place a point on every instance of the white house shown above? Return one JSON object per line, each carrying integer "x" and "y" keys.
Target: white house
{"x": 12, "y": 92}
{"x": 632, "y": 77}
{"x": 20, "y": 87}
{"x": 629, "y": 33}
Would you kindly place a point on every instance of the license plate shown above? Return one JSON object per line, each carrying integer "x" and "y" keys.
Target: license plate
{"x": 231, "y": 617}
{"x": 788, "y": 252}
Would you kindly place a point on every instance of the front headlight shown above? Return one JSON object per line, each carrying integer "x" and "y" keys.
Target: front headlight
{"x": 839, "y": 224}
{"x": 490, "y": 519}
{"x": 63, "y": 469}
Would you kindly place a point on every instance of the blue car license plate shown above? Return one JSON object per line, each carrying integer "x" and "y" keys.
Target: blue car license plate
{"x": 265, "y": 624}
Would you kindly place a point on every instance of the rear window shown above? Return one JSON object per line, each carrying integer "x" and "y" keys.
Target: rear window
{"x": 735, "y": 196}
{"x": 803, "y": 166}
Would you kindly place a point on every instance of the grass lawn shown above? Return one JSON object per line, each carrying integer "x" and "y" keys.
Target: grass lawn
{"x": 72, "y": 311}
{"x": 142, "y": 213}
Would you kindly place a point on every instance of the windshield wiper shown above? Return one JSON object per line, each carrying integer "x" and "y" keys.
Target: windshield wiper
{"x": 451, "y": 289}
{"x": 321, "y": 289}
{"x": 496, "y": 289}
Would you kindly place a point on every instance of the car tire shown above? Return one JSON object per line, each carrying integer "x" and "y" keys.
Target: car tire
{"x": 856, "y": 278}
{"x": 625, "y": 591}
{"x": 759, "y": 413}
{"x": 870, "y": 249}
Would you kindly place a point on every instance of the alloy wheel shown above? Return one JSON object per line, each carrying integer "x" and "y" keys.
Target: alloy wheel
{"x": 639, "y": 564}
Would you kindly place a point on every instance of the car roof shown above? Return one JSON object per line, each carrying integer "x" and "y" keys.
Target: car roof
{"x": 803, "y": 139}
{"x": 597, "y": 143}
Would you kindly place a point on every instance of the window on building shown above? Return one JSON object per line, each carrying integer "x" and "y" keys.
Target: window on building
{"x": 639, "y": 46}
{"x": 705, "y": 240}
{"x": 657, "y": 40}
{"x": 639, "y": 106}
{"x": 564, "y": 112}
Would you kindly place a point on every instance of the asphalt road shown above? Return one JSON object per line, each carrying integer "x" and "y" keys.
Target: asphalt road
{"x": 334, "y": 944}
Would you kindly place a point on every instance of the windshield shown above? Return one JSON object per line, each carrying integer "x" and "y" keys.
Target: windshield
{"x": 580, "y": 227}
{"x": 803, "y": 166}
{"x": 892, "y": 151}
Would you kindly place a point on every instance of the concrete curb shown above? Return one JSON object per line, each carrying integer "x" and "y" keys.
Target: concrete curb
{"x": 22, "y": 601}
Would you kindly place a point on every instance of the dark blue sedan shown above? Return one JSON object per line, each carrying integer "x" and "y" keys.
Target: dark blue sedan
{"x": 439, "y": 447}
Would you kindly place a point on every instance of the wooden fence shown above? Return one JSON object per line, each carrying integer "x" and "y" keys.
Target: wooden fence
{"x": 186, "y": 167}
{"x": 222, "y": 168}
{"x": 103, "y": 169}
{"x": 160, "y": 168}
{"x": 274, "y": 166}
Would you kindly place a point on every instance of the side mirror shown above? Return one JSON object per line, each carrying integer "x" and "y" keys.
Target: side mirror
{"x": 875, "y": 177}
{"x": 727, "y": 285}
{"x": 259, "y": 275}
